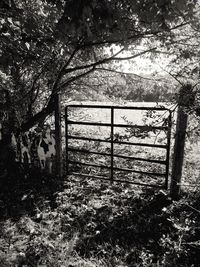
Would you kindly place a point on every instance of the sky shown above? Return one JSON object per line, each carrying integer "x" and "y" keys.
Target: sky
{"x": 143, "y": 65}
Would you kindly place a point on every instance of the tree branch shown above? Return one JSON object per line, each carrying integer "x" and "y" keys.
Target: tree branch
{"x": 66, "y": 83}
{"x": 62, "y": 71}
{"x": 50, "y": 106}
{"x": 122, "y": 72}
{"x": 134, "y": 56}
{"x": 102, "y": 61}
{"x": 106, "y": 60}
{"x": 173, "y": 76}
{"x": 135, "y": 36}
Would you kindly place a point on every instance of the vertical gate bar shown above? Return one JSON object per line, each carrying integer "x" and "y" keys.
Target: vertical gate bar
{"x": 168, "y": 149}
{"x": 112, "y": 144}
{"x": 66, "y": 140}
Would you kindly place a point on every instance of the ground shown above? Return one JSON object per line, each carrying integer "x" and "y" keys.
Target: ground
{"x": 92, "y": 223}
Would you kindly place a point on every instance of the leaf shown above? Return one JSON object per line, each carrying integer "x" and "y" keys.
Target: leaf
{"x": 27, "y": 45}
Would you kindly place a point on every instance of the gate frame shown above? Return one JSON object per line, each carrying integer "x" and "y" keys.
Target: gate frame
{"x": 112, "y": 142}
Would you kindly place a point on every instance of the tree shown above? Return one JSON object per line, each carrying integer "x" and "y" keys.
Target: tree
{"x": 183, "y": 49}
{"x": 47, "y": 46}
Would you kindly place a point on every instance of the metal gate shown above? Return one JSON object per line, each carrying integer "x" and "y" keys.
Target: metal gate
{"x": 112, "y": 141}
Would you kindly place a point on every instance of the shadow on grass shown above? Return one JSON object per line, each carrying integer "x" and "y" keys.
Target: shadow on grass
{"x": 142, "y": 225}
{"x": 139, "y": 230}
{"x": 22, "y": 187}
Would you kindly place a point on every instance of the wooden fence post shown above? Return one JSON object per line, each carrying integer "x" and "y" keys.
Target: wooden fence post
{"x": 186, "y": 99}
{"x": 179, "y": 145}
{"x": 58, "y": 136}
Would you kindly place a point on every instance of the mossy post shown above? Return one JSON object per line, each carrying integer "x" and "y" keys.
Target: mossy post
{"x": 185, "y": 101}
{"x": 58, "y": 136}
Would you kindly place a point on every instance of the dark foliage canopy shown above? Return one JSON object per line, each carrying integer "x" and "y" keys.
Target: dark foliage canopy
{"x": 47, "y": 45}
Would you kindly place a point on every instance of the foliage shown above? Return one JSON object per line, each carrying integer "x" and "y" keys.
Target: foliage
{"x": 46, "y": 46}
{"x": 130, "y": 88}
{"x": 97, "y": 224}
{"x": 183, "y": 53}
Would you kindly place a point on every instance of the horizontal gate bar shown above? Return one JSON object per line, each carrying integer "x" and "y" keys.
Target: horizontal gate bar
{"x": 91, "y": 176}
{"x": 88, "y": 152}
{"x": 116, "y": 142}
{"x": 88, "y": 164}
{"x": 118, "y": 107}
{"x": 147, "y": 128}
{"x": 118, "y": 156}
{"x": 141, "y": 159}
{"x": 88, "y": 138}
{"x": 117, "y": 169}
{"x": 140, "y": 144}
{"x": 119, "y": 181}
{"x": 140, "y": 172}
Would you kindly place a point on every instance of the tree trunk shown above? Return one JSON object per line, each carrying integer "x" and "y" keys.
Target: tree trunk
{"x": 41, "y": 115}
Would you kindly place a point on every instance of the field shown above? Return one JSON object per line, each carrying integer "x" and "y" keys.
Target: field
{"x": 122, "y": 134}
{"x": 134, "y": 117}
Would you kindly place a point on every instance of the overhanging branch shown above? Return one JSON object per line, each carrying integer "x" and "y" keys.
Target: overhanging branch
{"x": 72, "y": 79}
{"x": 124, "y": 73}
{"x": 107, "y": 60}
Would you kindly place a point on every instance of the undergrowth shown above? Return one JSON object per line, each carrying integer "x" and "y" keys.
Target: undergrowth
{"x": 93, "y": 224}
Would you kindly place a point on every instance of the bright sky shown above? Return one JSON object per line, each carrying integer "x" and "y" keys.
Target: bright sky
{"x": 143, "y": 64}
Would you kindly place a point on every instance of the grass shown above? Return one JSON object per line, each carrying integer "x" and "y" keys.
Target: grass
{"x": 191, "y": 170}
{"x": 93, "y": 223}
{"x": 125, "y": 134}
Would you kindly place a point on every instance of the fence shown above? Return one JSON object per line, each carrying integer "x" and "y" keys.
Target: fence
{"x": 113, "y": 141}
